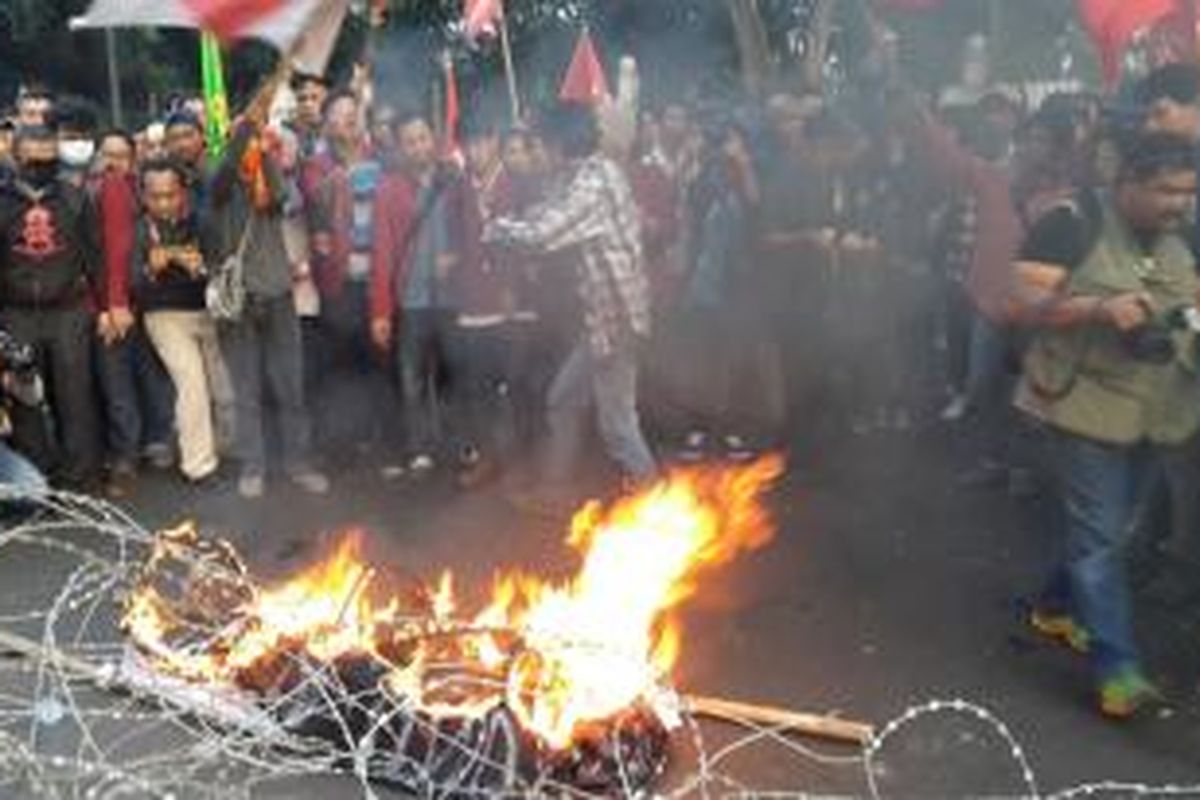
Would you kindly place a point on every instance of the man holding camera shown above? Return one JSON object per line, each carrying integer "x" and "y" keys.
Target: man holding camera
{"x": 1109, "y": 285}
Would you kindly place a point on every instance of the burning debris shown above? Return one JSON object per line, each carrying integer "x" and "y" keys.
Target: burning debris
{"x": 554, "y": 687}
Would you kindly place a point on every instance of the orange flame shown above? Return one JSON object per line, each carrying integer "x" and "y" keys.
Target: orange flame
{"x": 605, "y": 639}
{"x": 326, "y": 608}
{"x": 575, "y": 652}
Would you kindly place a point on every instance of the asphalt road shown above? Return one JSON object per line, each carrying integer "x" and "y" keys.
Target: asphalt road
{"x": 889, "y": 586}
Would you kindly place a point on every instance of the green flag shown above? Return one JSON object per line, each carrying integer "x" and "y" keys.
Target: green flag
{"x": 216, "y": 101}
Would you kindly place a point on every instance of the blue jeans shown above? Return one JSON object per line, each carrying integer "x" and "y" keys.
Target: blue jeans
{"x": 138, "y": 396}
{"x": 17, "y": 472}
{"x": 609, "y": 386}
{"x": 1102, "y": 489}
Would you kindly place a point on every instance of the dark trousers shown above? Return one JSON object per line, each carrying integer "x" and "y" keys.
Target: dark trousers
{"x": 138, "y": 396}
{"x": 351, "y": 396}
{"x": 422, "y": 352}
{"x": 264, "y": 347}
{"x": 63, "y": 338}
{"x": 479, "y": 364}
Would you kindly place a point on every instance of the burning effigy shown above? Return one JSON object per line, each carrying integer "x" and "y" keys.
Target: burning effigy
{"x": 554, "y": 687}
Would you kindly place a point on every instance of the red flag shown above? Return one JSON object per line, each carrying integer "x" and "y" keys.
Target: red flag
{"x": 1113, "y": 23}
{"x": 228, "y": 19}
{"x": 585, "y": 81}
{"x": 305, "y": 30}
{"x": 481, "y": 17}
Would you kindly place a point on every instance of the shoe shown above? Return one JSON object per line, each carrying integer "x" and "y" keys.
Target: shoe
{"x": 159, "y": 455}
{"x": 310, "y": 481}
{"x": 1126, "y": 693}
{"x": 208, "y": 484}
{"x": 121, "y": 477}
{"x": 737, "y": 449}
{"x": 955, "y": 410}
{"x": 392, "y": 472}
{"x": 1062, "y": 628}
{"x": 421, "y": 465}
{"x": 695, "y": 445}
{"x": 252, "y": 486}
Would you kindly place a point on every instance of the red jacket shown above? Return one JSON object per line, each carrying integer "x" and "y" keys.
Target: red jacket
{"x": 329, "y": 202}
{"x": 657, "y": 195}
{"x": 396, "y": 210}
{"x": 999, "y": 231}
{"x": 117, "y": 199}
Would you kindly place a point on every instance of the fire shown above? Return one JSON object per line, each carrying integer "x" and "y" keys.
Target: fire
{"x": 326, "y": 608}
{"x": 564, "y": 656}
{"x": 605, "y": 639}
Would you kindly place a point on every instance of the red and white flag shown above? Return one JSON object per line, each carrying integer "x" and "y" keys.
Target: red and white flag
{"x": 1113, "y": 24}
{"x": 281, "y": 23}
{"x": 482, "y": 17}
{"x": 585, "y": 82}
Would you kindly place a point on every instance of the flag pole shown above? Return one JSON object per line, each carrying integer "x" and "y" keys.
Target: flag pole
{"x": 510, "y": 71}
{"x": 114, "y": 78}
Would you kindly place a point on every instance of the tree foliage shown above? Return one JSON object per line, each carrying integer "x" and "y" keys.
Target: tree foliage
{"x": 685, "y": 47}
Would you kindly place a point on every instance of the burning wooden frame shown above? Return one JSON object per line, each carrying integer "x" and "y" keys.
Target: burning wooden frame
{"x": 554, "y": 688}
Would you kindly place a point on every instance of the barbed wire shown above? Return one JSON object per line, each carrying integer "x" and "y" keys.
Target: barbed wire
{"x": 82, "y": 718}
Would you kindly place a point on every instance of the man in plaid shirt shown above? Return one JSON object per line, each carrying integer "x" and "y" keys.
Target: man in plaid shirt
{"x": 592, "y": 217}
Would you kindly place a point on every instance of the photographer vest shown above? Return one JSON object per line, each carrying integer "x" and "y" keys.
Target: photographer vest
{"x": 1085, "y": 380}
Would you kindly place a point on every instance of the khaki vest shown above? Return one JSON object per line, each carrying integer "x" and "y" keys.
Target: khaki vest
{"x": 1084, "y": 381}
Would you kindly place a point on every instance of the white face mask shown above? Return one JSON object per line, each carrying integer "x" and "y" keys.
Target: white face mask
{"x": 76, "y": 153}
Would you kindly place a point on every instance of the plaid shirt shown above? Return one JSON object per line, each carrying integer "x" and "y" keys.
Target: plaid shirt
{"x": 595, "y": 214}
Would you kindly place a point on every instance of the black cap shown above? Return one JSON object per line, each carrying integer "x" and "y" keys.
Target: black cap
{"x": 184, "y": 117}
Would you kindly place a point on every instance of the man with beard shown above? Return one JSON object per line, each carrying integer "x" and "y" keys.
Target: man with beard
{"x": 1111, "y": 375}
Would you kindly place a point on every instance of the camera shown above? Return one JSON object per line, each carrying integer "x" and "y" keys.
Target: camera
{"x": 20, "y": 361}
{"x": 1155, "y": 343}
{"x": 17, "y": 357}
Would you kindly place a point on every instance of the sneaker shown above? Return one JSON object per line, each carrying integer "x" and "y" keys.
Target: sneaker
{"x": 955, "y": 410}
{"x": 695, "y": 445}
{"x": 1126, "y": 693}
{"x": 421, "y": 465}
{"x": 1062, "y": 628}
{"x": 310, "y": 481}
{"x": 738, "y": 449}
{"x": 392, "y": 472}
{"x": 252, "y": 486}
{"x": 159, "y": 455}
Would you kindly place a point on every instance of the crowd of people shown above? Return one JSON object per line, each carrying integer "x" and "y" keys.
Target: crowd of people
{"x": 348, "y": 286}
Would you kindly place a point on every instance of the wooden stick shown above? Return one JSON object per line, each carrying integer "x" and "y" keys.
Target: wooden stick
{"x": 35, "y": 651}
{"x": 824, "y": 727}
